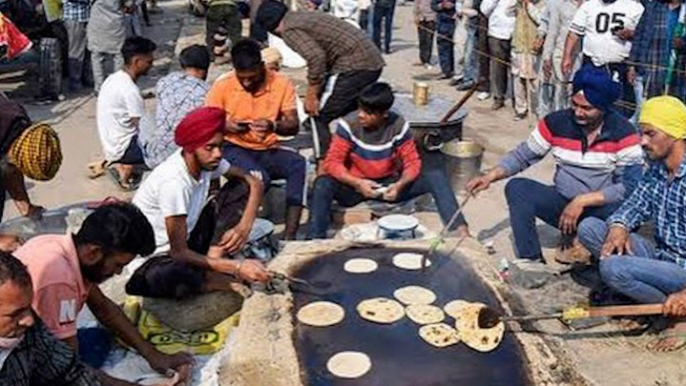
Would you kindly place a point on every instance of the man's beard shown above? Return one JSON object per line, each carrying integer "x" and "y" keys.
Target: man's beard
{"x": 93, "y": 273}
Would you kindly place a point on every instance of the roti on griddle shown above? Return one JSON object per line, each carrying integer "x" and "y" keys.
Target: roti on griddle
{"x": 439, "y": 335}
{"x": 424, "y": 313}
{"x": 360, "y": 265}
{"x": 467, "y": 326}
{"x": 320, "y": 314}
{"x": 409, "y": 261}
{"x": 381, "y": 310}
{"x": 455, "y": 307}
{"x": 349, "y": 364}
{"x": 414, "y": 294}
{"x": 483, "y": 339}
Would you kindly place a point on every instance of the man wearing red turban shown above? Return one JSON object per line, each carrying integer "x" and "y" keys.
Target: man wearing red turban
{"x": 196, "y": 238}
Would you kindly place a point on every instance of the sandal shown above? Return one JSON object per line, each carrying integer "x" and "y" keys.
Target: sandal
{"x": 96, "y": 169}
{"x": 678, "y": 336}
{"x": 125, "y": 186}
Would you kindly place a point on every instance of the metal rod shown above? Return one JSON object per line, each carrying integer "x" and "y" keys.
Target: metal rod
{"x": 441, "y": 235}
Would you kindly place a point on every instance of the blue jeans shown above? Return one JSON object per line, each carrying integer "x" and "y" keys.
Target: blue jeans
{"x": 273, "y": 164}
{"x": 383, "y": 13}
{"x": 471, "y": 57}
{"x": 445, "y": 31}
{"x": 529, "y": 200}
{"x": 646, "y": 276}
{"x": 326, "y": 189}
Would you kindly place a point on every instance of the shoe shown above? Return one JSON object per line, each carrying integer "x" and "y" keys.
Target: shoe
{"x": 464, "y": 86}
{"x": 456, "y": 82}
{"x": 444, "y": 76}
{"x": 387, "y": 51}
{"x": 497, "y": 105}
{"x": 520, "y": 117}
{"x": 483, "y": 96}
{"x": 428, "y": 67}
{"x": 573, "y": 253}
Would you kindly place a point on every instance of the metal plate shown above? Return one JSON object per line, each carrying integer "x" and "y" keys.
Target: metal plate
{"x": 398, "y": 223}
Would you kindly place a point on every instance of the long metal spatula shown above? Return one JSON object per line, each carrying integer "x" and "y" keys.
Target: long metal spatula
{"x": 489, "y": 317}
{"x": 438, "y": 240}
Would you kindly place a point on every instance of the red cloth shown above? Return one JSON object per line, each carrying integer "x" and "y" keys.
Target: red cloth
{"x": 16, "y": 42}
{"x": 199, "y": 126}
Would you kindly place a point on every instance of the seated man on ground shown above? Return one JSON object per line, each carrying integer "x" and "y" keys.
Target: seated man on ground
{"x": 177, "y": 94}
{"x": 195, "y": 239}
{"x": 598, "y": 159}
{"x": 29, "y": 354}
{"x": 374, "y": 148}
{"x": 120, "y": 109}
{"x": 260, "y": 105}
{"x": 26, "y": 150}
{"x": 67, "y": 269}
{"x": 630, "y": 264}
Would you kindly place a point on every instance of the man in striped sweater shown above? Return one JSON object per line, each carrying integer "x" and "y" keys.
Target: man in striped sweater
{"x": 598, "y": 157}
{"x": 373, "y": 156}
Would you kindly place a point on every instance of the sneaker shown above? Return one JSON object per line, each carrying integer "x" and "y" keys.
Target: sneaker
{"x": 483, "y": 95}
{"x": 455, "y": 82}
{"x": 520, "y": 117}
{"x": 428, "y": 67}
{"x": 464, "y": 86}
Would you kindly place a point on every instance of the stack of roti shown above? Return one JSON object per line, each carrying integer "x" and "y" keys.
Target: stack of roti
{"x": 466, "y": 317}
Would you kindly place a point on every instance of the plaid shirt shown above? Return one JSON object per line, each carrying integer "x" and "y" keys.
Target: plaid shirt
{"x": 663, "y": 202}
{"x": 76, "y": 11}
{"x": 651, "y": 49}
{"x": 329, "y": 45}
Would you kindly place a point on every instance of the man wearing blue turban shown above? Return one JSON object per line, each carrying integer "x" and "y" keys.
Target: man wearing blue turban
{"x": 598, "y": 157}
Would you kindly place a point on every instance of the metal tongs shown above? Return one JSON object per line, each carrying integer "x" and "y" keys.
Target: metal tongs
{"x": 438, "y": 240}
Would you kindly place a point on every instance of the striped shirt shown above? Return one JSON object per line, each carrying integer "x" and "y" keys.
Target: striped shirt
{"x": 664, "y": 202}
{"x": 611, "y": 164}
{"x": 373, "y": 154}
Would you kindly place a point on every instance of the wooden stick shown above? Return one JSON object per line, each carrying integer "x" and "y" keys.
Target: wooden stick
{"x": 629, "y": 310}
{"x": 460, "y": 103}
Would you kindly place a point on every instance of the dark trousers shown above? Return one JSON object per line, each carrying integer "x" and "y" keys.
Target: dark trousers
{"x": 500, "y": 68}
{"x": 445, "y": 30}
{"x": 327, "y": 189}
{"x": 626, "y": 105}
{"x": 383, "y": 13}
{"x": 426, "y": 31}
{"x": 223, "y": 16}
{"x": 340, "y": 100}
{"x": 273, "y": 164}
{"x": 529, "y": 200}
{"x": 483, "y": 53}
{"x": 164, "y": 277}
{"x": 364, "y": 19}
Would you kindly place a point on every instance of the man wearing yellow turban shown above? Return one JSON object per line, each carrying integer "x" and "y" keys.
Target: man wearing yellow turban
{"x": 27, "y": 150}
{"x": 645, "y": 271}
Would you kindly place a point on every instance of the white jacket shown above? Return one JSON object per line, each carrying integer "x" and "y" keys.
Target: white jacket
{"x": 501, "y": 22}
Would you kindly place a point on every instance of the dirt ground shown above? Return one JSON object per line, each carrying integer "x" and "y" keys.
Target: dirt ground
{"x": 601, "y": 355}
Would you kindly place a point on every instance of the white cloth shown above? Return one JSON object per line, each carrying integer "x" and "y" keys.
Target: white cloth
{"x": 501, "y": 22}
{"x": 595, "y": 20}
{"x": 119, "y": 101}
{"x": 170, "y": 190}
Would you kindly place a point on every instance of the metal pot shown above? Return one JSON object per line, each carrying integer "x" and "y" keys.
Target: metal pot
{"x": 463, "y": 161}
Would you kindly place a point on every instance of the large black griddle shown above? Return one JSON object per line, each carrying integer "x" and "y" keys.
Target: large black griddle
{"x": 399, "y": 356}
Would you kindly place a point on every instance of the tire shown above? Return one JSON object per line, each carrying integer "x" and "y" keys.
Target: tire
{"x": 50, "y": 68}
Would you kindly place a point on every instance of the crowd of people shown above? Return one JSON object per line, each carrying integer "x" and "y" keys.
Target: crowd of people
{"x": 612, "y": 175}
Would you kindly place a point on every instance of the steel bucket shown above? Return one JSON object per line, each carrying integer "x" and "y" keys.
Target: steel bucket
{"x": 463, "y": 162}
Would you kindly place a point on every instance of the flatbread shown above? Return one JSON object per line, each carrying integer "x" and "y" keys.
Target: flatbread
{"x": 409, "y": 261}
{"x": 320, "y": 314}
{"x": 381, "y": 310}
{"x": 468, "y": 317}
{"x": 349, "y": 364}
{"x": 414, "y": 294}
{"x": 439, "y": 335}
{"x": 483, "y": 339}
{"x": 455, "y": 307}
{"x": 359, "y": 265}
{"x": 424, "y": 314}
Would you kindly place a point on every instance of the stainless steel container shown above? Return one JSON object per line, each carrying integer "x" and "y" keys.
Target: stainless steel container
{"x": 463, "y": 160}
